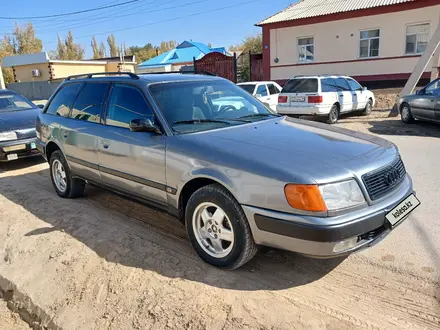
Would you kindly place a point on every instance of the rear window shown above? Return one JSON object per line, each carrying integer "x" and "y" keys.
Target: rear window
{"x": 63, "y": 100}
{"x": 308, "y": 85}
{"x": 248, "y": 88}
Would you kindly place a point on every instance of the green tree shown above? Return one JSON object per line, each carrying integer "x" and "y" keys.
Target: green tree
{"x": 25, "y": 40}
{"x": 112, "y": 45}
{"x": 166, "y": 46}
{"x": 102, "y": 50}
{"x": 7, "y": 49}
{"x": 69, "y": 50}
{"x": 95, "y": 48}
{"x": 142, "y": 53}
{"x": 252, "y": 44}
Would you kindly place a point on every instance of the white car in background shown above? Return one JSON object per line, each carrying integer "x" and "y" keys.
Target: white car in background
{"x": 266, "y": 91}
{"x": 326, "y": 95}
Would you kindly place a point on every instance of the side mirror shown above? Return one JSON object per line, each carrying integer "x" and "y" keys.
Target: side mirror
{"x": 420, "y": 92}
{"x": 41, "y": 106}
{"x": 258, "y": 95}
{"x": 364, "y": 88}
{"x": 144, "y": 125}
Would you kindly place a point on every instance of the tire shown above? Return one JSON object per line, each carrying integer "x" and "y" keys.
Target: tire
{"x": 406, "y": 114}
{"x": 231, "y": 224}
{"x": 64, "y": 185}
{"x": 333, "y": 115}
{"x": 368, "y": 108}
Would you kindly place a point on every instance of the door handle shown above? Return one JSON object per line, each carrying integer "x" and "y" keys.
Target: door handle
{"x": 105, "y": 144}
{"x": 65, "y": 135}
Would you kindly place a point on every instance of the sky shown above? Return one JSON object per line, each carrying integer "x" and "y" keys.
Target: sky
{"x": 221, "y": 23}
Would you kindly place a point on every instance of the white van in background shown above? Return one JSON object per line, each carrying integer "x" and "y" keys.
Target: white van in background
{"x": 327, "y": 95}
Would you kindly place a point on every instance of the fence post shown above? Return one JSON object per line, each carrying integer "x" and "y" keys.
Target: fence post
{"x": 194, "y": 64}
{"x": 235, "y": 68}
{"x": 250, "y": 66}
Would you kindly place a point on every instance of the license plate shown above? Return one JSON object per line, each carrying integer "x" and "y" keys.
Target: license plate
{"x": 402, "y": 210}
{"x": 12, "y": 156}
{"x": 298, "y": 98}
{"x": 14, "y": 148}
{"x": 33, "y": 145}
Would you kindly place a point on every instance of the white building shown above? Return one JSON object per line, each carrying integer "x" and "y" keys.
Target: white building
{"x": 371, "y": 40}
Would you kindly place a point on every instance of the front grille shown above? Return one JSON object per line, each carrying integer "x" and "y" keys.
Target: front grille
{"x": 381, "y": 182}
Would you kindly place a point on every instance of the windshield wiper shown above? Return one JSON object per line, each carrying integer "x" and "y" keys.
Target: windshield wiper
{"x": 200, "y": 121}
{"x": 259, "y": 115}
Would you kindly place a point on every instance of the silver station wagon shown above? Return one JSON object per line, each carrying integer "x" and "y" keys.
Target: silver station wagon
{"x": 237, "y": 174}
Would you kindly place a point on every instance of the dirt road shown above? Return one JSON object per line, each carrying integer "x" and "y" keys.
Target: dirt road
{"x": 104, "y": 262}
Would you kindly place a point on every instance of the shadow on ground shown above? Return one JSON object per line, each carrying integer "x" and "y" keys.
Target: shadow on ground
{"x": 133, "y": 235}
{"x": 20, "y": 163}
{"x": 396, "y": 127}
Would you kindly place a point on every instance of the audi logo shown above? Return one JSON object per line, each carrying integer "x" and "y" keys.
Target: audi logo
{"x": 392, "y": 177}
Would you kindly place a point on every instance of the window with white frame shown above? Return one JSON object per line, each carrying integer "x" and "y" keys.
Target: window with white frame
{"x": 369, "y": 44}
{"x": 306, "y": 50}
{"x": 417, "y": 37}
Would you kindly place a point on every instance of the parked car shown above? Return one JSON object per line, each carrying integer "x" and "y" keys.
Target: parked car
{"x": 17, "y": 126}
{"x": 266, "y": 91}
{"x": 237, "y": 177}
{"x": 424, "y": 105}
{"x": 326, "y": 95}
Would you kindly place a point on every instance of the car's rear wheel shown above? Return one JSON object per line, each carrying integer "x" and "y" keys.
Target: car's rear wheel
{"x": 65, "y": 186}
{"x": 218, "y": 229}
{"x": 333, "y": 115}
{"x": 368, "y": 108}
{"x": 406, "y": 114}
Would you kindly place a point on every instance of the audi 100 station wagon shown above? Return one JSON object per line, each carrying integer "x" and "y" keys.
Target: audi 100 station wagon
{"x": 235, "y": 173}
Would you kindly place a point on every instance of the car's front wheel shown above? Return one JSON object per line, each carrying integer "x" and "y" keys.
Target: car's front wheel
{"x": 368, "y": 108}
{"x": 406, "y": 114}
{"x": 64, "y": 184}
{"x": 218, "y": 229}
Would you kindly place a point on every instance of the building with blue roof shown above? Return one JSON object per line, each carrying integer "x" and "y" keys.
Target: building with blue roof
{"x": 183, "y": 55}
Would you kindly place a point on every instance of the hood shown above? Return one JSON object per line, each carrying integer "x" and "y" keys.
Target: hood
{"x": 14, "y": 120}
{"x": 295, "y": 150}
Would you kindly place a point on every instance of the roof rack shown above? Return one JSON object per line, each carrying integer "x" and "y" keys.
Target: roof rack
{"x": 206, "y": 73}
{"x": 90, "y": 75}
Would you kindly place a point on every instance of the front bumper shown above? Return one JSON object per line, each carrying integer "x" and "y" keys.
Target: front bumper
{"x": 21, "y": 148}
{"x": 309, "y": 236}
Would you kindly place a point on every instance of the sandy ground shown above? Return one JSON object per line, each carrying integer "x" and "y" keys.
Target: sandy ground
{"x": 10, "y": 320}
{"x": 102, "y": 262}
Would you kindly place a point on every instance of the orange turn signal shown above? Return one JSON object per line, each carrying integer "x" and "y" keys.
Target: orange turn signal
{"x": 305, "y": 197}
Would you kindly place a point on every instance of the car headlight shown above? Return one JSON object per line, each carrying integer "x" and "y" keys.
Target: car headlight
{"x": 8, "y": 136}
{"x": 342, "y": 195}
{"x": 323, "y": 198}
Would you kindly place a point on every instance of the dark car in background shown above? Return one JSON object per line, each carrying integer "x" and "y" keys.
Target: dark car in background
{"x": 423, "y": 105}
{"x": 17, "y": 126}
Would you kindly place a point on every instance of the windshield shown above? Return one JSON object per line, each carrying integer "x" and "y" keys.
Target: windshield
{"x": 193, "y": 106}
{"x": 248, "y": 88}
{"x": 14, "y": 102}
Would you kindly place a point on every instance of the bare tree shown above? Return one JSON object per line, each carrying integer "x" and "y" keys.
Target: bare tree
{"x": 112, "y": 45}
{"x": 95, "y": 48}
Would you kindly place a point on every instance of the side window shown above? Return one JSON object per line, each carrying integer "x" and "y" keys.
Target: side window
{"x": 63, "y": 100}
{"x": 88, "y": 105}
{"x": 354, "y": 85}
{"x": 262, "y": 90}
{"x": 328, "y": 85}
{"x": 125, "y": 104}
{"x": 273, "y": 89}
{"x": 342, "y": 84}
{"x": 433, "y": 88}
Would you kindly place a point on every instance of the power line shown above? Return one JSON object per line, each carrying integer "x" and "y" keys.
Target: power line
{"x": 71, "y": 13}
{"x": 164, "y": 21}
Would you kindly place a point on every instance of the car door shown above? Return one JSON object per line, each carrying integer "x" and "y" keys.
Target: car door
{"x": 359, "y": 95}
{"x": 274, "y": 92}
{"x": 344, "y": 95}
{"x": 131, "y": 162}
{"x": 424, "y": 103}
{"x": 262, "y": 93}
{"x": 76, "y": 138}
{"x": 85, "y": 119}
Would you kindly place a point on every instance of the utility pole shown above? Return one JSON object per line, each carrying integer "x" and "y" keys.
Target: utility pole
{"x": 2, "y": 80}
